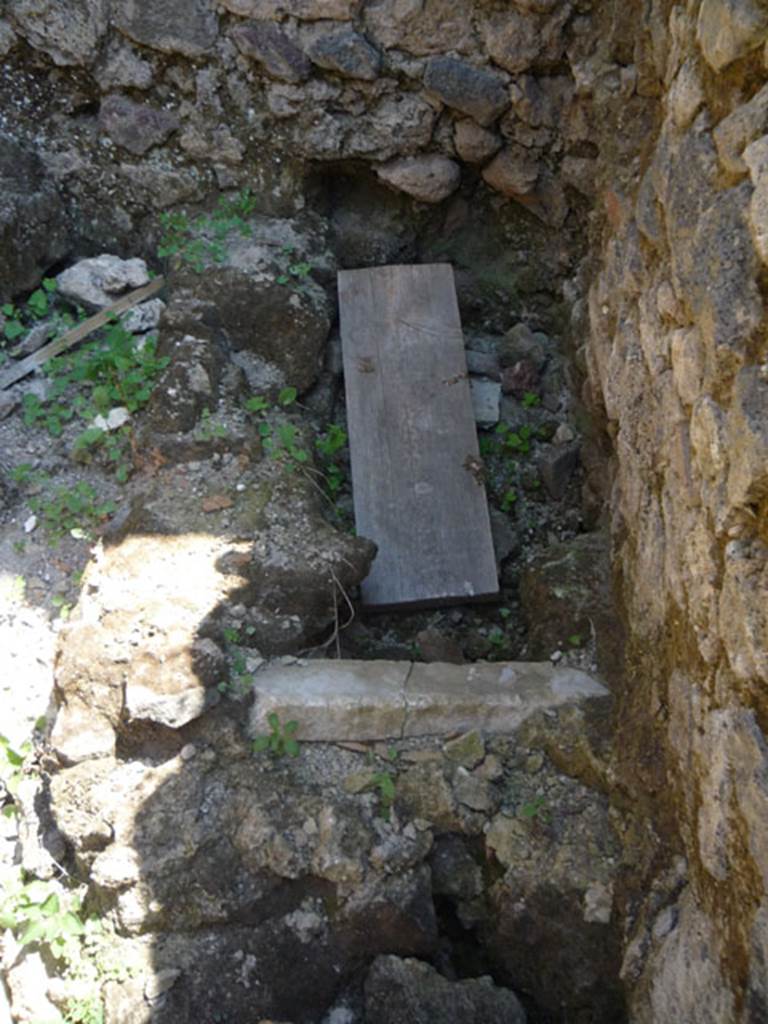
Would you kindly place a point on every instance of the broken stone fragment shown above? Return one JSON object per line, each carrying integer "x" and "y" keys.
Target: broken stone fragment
{"x": 475, "y": 91}
{"x": 430, "y": 179}
{"x": 347, "y": 53}
{"x": 270, "y": 47}
{"x": 136, "y": 127}
{"x": 556, "y": 466}
{"x": 398, "y": 990}
{"x": 97, "y": 281}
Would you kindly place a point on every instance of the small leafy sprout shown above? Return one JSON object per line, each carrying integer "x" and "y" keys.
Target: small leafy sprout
{"x": 201, "y": 239}
{"x": 497, "y": 637}
{"x": 385, "y": 784}
{"x": 332, "y": 441}
{"x": 22, "y": 474}
{"x": 508, "y": 499}
{"x": 38, "y": 912}
{"x": 209, "y": 429}
{"x": 576, "y": 640}
{"x": 530, "y": 400}
{"x": 287, "y": 396}
{"x": 535, "y": 809}
{"x": 505, "y": 613}
{"x": 59, "y": 601}
{"x": 516, "y": 442}
{"x": 280, "y": 740}
{"x": 256, "y": 405}
{"x": 295, "y": 271}
{"x": 11, "y": 770}
{"x": 71, "y": 510}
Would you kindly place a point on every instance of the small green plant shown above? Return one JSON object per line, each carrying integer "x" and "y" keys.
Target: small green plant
{"x": 330, "y": 445}
{"x": 505, "y": 613}
{"x": 47, "y": 914}
{"x": 25, "y": 475}
{"x": 280, "y": 441}
{"x": 294, "y": 271}
{"x": 383, "y": 781}
{"x": 115, "y": 446}
{"x": 576, "y": 640}
{"x": 40, "y": 912}
{"x": 208, "y": 429}
{"x": 201, "y": 240}
{"x": 517, "y": 442}
{"x": 12, "y": 770}
{"x": 240, "y": 679}
{"x": 508, "y": 499}
{"x": 530, "y": 400}
{"x": 110, "y": 371}
{"x": 18, "y": 319}
{"x": 74, "y": 510}
{"x": 60, "y": 601}
{"x": 280, "y": 740}
{"x": 534, "y": 810}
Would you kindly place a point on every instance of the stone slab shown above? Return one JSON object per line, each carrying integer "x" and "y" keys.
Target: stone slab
{"x": 495, "y": 697}
{"x": 377, "y": 700}
{"x": 333, "y": 700}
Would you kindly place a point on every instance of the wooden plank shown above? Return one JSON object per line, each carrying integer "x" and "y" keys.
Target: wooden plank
{"x": 413, "y": 442}
{"x": 20, "y": 369}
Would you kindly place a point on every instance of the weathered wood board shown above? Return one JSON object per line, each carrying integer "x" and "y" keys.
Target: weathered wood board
{"x": 416, "y": 480}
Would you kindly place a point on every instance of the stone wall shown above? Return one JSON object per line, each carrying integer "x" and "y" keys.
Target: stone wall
{"x": 640, "y": 126}
{"x": 678, "y": 362}
{"x": 173, "y": 101}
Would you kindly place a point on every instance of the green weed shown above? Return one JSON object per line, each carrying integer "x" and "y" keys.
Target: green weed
{"x": 384, "y": 782}
{"x": 198, "y": 241}
{"x": 12, "y": 770}
{"x": 534, "y": 810}
{"x": 280, "y": 740}
{"x": 74, "y": 510}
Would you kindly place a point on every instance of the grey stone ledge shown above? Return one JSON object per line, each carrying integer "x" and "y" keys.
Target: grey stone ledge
{"x": 376, "y": 700}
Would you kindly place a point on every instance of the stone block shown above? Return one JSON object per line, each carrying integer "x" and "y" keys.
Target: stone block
{"x": 304, "y": 10}
{"x": 748, "y": 438}
{"x": 333, "y": 700}
{"x": 366, "y": 700}
{"x": 188, "y": 27}
{"x": 96, "y": 282}
{"x": 270, "y": 47}
{"x": 430, "y": 178}
{"x": 347, "y": 53}
{"x": 486, "y": 398}
{"x": 399, "y": 991}
{"x": 474, "y": 91}
{"x": 495, "y": 698}
{"x": 513, "y": 172}
{"x": 729, "y": 29}
{"x": 136, "y": 127}
{"x": 734, "y": 133}
{"x": 474, "y": 144}
{"x": 69, "y": 33}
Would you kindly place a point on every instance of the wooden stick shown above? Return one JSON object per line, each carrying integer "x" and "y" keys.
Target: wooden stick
{"x": 24, "y": 366}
